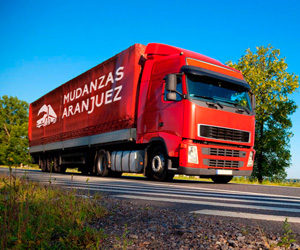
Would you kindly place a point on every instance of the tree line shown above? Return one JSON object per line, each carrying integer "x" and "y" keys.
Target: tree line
{"x": 266, "y": 72}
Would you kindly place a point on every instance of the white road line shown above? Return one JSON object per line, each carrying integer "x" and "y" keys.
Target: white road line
{"x": 179, "y": 195}
{"x": 164, "y": 186}
{"x": 246, "y": 215}
{"x": 169, "y": 185}
{"x": 227, "y": 193}
{"x": 184, "y": 191}
{"x": 207, "y": 203}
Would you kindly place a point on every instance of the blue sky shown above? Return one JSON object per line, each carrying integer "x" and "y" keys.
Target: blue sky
{"x": 46, "y": 43}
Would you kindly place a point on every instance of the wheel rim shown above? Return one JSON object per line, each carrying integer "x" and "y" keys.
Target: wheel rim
{"x": 158, "y": 163}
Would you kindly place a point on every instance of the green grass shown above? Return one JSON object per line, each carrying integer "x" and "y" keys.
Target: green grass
{"x": 32, "y": 166}
{"x": 191, "y": 178}
{"x": 239, "y": 180}
{"x": 246, "y": 180}
{"x": 46, "y": 217}
{"x": 243, "y": 180}
{"x": 36, "y": 167}
{"x": 35, "y": 216}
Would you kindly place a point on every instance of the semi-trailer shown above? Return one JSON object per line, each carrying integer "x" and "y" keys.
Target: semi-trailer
{"x": 156, "y": 109}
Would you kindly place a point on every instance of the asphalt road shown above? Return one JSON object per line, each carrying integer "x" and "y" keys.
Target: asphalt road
{"x": 267, "y": 203}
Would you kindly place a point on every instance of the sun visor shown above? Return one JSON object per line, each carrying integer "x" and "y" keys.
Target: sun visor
{"x": 205, "y": 72}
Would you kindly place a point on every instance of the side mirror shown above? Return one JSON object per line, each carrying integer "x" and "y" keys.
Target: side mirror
{"x": 171, "y": 82}
{"x": 171, "y": 96}
{"x": 253, "y": 102}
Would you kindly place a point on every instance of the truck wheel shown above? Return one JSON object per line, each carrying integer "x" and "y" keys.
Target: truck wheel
{"x": 221, "y": 179}
{"x": 56, "y": 167}
{"x": 49, "y": 164}
{"x": 158, "y": 164}
{"x": 102, "y": 164}
{"x": 42, "y": 164}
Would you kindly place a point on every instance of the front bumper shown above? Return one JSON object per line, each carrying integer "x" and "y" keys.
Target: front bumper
{"x": 209, "y": 172}
{"x": 214, "y": 160}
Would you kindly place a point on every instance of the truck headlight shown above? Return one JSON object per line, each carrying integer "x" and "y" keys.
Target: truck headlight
{"x": 193, "y": 154}
{"x": 250, "y": 160}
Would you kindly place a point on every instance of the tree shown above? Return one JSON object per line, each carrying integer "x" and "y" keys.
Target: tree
{"x": 13, "y": 131}
{"x": 272, "y": 85}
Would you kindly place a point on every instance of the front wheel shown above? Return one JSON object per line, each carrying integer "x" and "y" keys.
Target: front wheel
{"x": 158, "y": 164}
{"x": 221, "y": 179}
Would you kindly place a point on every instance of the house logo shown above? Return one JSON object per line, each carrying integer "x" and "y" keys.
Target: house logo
{"x": 49, "y": 116}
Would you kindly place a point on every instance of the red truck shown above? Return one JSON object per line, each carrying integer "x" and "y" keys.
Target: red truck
{"x": 156, "y": 109}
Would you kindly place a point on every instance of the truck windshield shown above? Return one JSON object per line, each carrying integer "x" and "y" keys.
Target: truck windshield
{"x": 212, "y": 89}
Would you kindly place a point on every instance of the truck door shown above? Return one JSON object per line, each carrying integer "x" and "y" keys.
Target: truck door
{"x": 171, "y": 112}
{"x": 163, "y": 118}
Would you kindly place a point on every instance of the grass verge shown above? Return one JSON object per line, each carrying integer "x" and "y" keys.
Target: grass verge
{"x": 239, "y": 180}
{"x": 46, "y": 217}
{"x": 36, "y": 167}
{"x": 285, "y": 183}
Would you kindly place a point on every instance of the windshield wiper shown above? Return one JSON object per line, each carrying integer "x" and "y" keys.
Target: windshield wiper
{"x": 239, "y": 107}
{"x": 209, "y": 98}
{"x": 215, "y": 102}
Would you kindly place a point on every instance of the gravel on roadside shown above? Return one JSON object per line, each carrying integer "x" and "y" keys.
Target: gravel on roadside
{"x": 132, "y": 225}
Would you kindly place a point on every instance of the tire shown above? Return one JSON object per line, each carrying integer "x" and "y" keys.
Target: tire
{"x": 43, "y": 164}
{"x": 101, "y": 164}
{"x": 49, "y": 164}
{"x": 56, "y": 167}
{"x": 158, "y": 164}
{"x": 55, "y": 164}
{"x": 221, "y": 179}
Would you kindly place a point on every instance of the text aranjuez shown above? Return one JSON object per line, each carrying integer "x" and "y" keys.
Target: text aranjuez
{"x": 103, "y": 98}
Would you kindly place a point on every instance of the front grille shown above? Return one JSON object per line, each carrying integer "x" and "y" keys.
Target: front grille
{"x": 224, "y": 152}
{"x": 223, "y": 164}
{"x": 224, "y": 133}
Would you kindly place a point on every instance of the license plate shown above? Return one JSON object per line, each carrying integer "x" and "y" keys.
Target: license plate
{"x": 223, "y": 172}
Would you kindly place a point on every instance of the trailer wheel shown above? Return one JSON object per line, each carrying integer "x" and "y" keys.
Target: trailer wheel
{"x": 56, "y": 167}
{"x": 49, "y": 162}
{"x": 42, "y": 164}
{"x": 221, "y": 179}
{"x": 102, "y": 164}
{"x": 158, "y": 163}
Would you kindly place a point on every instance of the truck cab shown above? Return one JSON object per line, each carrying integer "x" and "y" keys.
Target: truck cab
{"x": 196, "y": 114}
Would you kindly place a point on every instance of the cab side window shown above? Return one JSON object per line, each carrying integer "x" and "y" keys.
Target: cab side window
{"x": 178, "y": 89}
